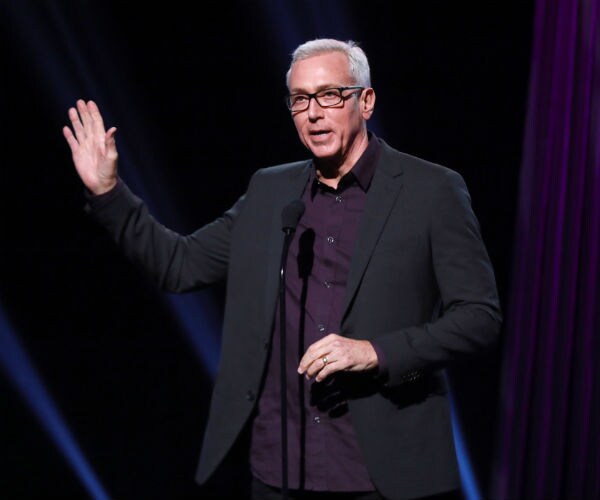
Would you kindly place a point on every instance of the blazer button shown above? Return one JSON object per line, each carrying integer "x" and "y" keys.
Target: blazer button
{"x": 250, "y": 396}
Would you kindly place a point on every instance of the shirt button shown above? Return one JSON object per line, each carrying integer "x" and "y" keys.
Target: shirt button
{"x": 327, "y": 284}
{"x": 338, "y": 198}
{"x": 250, "y": 396}
{"x": 317, "y": 420}
{"x": 321, "y": 328}
{"x": 330, "y": 239}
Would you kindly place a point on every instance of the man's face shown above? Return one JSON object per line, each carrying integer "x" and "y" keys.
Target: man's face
{"x": 329, "y": 133}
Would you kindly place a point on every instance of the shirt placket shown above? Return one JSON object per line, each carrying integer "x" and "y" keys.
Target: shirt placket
{"x": 317, "y": 420}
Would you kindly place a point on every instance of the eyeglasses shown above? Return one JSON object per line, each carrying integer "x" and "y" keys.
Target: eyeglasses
{"x": 326, "y": 98}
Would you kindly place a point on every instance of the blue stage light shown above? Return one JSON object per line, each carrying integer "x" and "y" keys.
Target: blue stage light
{"x": 20, "y": 370}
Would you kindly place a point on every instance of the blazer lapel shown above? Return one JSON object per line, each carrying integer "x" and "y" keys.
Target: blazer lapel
{"x": 383, "y": 192}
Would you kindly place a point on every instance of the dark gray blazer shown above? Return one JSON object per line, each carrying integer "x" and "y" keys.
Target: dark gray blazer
{"x": 420, "y": 282}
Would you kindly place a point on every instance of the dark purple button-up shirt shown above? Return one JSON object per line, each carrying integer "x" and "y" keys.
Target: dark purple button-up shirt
{"x": 323, "y": 453}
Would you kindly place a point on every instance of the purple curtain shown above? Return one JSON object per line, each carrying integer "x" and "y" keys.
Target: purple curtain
{"x": 548, "y": 434}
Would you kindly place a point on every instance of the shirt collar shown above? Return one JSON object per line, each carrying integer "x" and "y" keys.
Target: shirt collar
{"x": 364, "y": 168}
{"x": 362, "y": 171}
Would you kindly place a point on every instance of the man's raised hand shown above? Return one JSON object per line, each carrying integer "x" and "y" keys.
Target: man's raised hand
{"x": 94, "y": 150}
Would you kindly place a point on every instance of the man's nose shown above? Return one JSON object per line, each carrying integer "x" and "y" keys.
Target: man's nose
{"x": 314, "y": 109}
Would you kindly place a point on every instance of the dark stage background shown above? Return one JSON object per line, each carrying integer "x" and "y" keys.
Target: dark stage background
{"x": 196, "y": 93}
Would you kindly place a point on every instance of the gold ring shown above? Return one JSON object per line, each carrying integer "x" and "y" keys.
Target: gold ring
{"x": 324, "y": 359}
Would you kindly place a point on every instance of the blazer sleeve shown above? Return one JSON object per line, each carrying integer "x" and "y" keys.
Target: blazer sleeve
{"x": 176, "y": 262}
{"x": 470, "y": 317}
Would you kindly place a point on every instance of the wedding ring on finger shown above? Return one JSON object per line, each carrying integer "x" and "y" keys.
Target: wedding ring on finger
{"x": 324, "y": 359}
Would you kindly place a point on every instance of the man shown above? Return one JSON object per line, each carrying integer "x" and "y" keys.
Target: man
{"x": 388, "y": 281}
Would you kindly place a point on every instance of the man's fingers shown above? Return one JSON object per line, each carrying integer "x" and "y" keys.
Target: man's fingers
{"x": 327, "y": 368}
{"x": 310, "y": 358}
{"x": 334, "y": 353}
{"x": 88, "y": 125}
{"x": 70, "y": 138}
{"x": 110, "y": 135}
{"x": 76, "y": 123}
{"x": 84, "y": 116}
{"x": 317, "y": 350}
{"x": 318, "y": 362}
{"x": 97, "y": 122}
{"x": 109, "y": 143}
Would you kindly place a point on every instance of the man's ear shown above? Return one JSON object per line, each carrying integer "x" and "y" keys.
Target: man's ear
{"x": 367, "y": 102}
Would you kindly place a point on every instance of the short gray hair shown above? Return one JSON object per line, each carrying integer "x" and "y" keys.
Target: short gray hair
{"x": 358, "y": 63}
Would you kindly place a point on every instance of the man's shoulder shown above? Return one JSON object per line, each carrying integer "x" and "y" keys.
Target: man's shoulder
{"x": 285, "y": 169}
{"x": 282, "y": 173}
{"x": 412, "y": 165}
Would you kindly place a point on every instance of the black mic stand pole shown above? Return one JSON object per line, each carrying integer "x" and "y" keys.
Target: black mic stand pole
{"x": 289, "y": 232}
{"x": 290, "y": 216}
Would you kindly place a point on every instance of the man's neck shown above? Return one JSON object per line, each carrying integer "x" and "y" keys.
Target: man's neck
{"x": 330, "y": 175}
{"x": 331, "y": 170}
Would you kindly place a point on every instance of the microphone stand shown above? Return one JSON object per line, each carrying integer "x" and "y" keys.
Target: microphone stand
{"x": 289, "y": 232}
{"x": 289, "y": 216}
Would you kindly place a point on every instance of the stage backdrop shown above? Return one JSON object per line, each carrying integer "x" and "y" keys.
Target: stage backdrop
{"x": 104, "y": 381}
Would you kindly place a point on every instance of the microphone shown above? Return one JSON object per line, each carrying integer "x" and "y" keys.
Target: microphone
{"x": 290, "y": 215}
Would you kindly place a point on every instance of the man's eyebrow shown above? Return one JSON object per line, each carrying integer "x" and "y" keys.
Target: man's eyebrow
{"x": 319, "y": 88}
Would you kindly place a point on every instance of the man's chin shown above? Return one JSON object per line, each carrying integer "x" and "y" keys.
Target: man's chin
{"x": 323, "y": 151}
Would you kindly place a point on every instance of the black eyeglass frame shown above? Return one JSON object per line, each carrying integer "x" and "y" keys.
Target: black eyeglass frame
{"x": 356, "y": 88}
